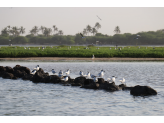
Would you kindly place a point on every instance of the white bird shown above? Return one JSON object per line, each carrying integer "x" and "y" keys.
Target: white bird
{"x": 122, "y": 81}
{"x": 101, "y": 74}
{"x": 113, "y": 78}
{"x": 33, "y": 72}
{"x": 68, "y": 72}
{"x": 53, "y": 71}
{"x": 88, "y": 75}
{"x": 24, "y": 47}
{"x": 39, "y": 48}
{"x": 66, "y": 78}
{"x": 81, "y": 73}
{"x": 95, "y": 79}
{"x": 29, "y": 48}
{"x": 37, "y": 68}
{"x": 93, "y": 56}
{"x": 60, "y": 73}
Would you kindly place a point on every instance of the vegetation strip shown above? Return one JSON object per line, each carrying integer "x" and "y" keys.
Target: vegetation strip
{"x": 82, "y": 52}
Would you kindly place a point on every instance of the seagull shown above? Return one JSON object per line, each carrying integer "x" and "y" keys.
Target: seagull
{"x": 99, "y": 18}
{"x": 93, "y": 56}
{"x": 122, "y": 81}
{"x": 101, "y": 74}
{"x": 53, "y": 71}
{"x": 68, "y": 72}
{"x": 82, "y": 35}
{"x": 113, "y": 78}
{"x": 88, "y": 75}
{"x": 60, "y": 73}
{"x": 66, "y": 78}
{"x": 81, "y": 73}
{"x": 95, "y": 79}
{"x": 33, "y": 72}
{"x": 37, "y": 68}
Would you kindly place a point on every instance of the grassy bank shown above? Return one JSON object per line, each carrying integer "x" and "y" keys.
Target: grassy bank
{"x": 81, "y": 51}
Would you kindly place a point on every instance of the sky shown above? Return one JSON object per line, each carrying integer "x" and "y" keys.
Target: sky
{"x": 73, "y": 19}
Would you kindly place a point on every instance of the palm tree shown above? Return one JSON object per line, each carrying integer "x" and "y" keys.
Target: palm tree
{"x": 97, "y": 25}
{"x": 22, "y": 30}
{"x": 42, "y": 29}
{"x": 55, "y": 28}
{"x": 84, "y": 32}
{"x": 32, "y": 32}
{"x": 94, "y": 31}
{"x": 60, "y": 32}
{"x": 46, "y": 32}
{"x": 4, "y": 31}
{"x": 89, "y": 28}
{"x": 50, "y": 31}
{"x": 117, "y": 30}
{"x": 15, "y": 31}
{"x": 35, "y": 30}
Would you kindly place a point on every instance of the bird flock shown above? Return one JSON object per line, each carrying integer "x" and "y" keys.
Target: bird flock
{"x": 87, "y": 76}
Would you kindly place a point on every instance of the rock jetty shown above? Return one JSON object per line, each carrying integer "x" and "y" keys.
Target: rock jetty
{"x": 41, "y": 77}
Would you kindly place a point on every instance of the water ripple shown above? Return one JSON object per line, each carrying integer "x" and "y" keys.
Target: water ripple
{"x": 24, "y": 98}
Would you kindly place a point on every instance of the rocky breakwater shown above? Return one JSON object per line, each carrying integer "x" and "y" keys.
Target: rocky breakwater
{"x": 41, "y": 77}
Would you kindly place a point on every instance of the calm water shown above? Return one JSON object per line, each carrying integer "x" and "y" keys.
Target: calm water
{"x": 19, "y": 97}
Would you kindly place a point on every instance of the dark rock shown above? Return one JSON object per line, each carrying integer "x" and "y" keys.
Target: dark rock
{"x": 9, "y": 69}
{"x": 27, "y": 77}
{"x": 122, "y": 86}
{"x": 79, "y": 81}
{"x": 2, "y": 69}
{"x": 92, "y": 85}
{"x": 88, "y": 81}
{"x": 19, "y": 73}
{"x": 55, "y": 79}
{"x": 142, "y": 91}
{"x": 101, "y": 81}
{"x": 22, "y": 68}
{"x": 7, "y": 75}
{"x": 40, "y": 76}
{"x": 109, "y": 86}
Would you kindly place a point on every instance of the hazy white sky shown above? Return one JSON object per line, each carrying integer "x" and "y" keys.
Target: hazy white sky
{"x": 72, "y": 20}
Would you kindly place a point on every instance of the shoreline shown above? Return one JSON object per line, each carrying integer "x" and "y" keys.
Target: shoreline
{"x": 79, "y": 59}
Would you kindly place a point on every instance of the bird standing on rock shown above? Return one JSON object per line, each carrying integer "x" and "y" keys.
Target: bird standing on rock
{"x": 81, "y": 73}
{"x": 36, "y": 68}
{"x": 66, "y": 78}
{"x": 122, "y": 81}
{"x": 68, "y": 72}
{"x": 60, "y": 73}
{"x": 53, "y": 71}
{"x": 101, "y": 74}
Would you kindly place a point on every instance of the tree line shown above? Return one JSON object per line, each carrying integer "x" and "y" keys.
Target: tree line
{"x": 54, "y": 36}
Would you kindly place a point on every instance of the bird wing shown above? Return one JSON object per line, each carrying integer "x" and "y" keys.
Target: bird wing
{"x": 81, "y": 35}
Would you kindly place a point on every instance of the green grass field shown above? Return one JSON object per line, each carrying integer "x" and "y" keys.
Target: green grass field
{"x": 81, "y": 51}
